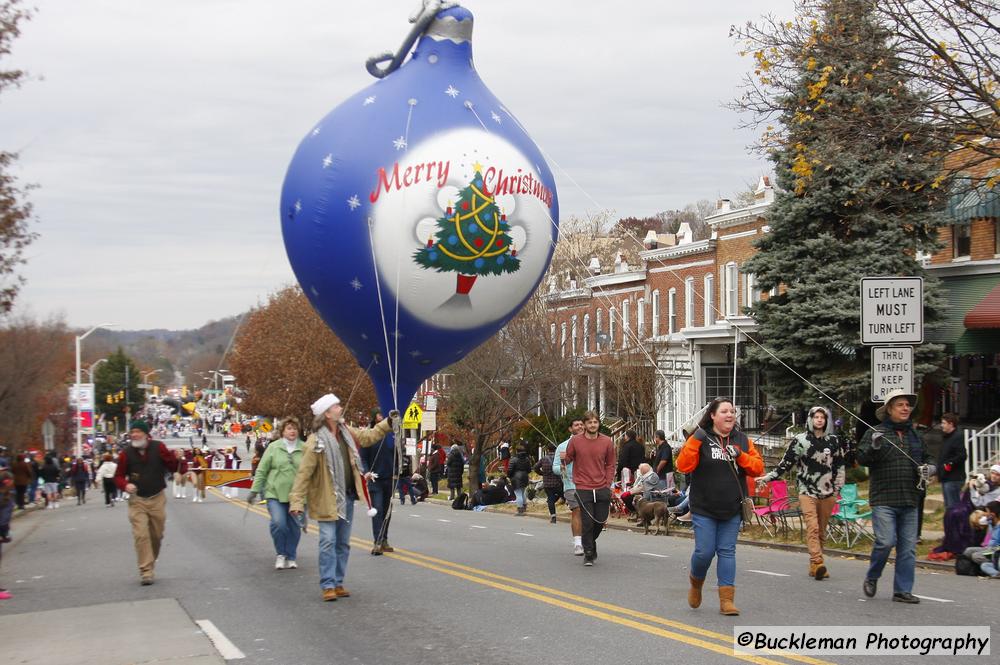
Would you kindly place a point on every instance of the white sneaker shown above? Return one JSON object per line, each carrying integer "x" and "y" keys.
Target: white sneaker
{"x": 57, "y": 504}
{"x": 578, "y": 550}
{"x": 195, "y": 499}
{"x": 279, "y": 563}
{"x": 290, "y": 563}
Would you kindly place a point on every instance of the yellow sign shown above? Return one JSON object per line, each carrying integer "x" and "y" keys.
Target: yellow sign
{"x": 266, "y": 426}
{"x": 414, "y": 414}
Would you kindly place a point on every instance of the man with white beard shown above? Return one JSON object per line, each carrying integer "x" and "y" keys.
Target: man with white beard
{"x": 142, "y": 467}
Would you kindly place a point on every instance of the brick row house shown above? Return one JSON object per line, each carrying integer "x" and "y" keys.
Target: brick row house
{"x": 682, "y": 310}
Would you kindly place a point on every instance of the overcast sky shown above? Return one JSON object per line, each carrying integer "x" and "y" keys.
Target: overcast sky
{"x": 159, "y": 132}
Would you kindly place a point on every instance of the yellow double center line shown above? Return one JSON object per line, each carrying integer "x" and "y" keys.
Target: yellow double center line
{"x": 709, "y": 640}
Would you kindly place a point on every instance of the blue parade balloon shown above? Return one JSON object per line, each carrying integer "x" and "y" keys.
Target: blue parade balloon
{"x": 418, "y": 215}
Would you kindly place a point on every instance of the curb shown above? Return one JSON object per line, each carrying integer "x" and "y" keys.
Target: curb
{"x": 687, "y": 533}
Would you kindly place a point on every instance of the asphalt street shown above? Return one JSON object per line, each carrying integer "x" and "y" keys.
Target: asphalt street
{"x": 462, "y": 587}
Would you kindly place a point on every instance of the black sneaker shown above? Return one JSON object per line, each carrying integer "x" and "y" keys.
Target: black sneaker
{"x": 552, "y": 519}
{"x": 870, "y": 587}
{"x": 905, "y": 597}
{"x": 588, "y": 560}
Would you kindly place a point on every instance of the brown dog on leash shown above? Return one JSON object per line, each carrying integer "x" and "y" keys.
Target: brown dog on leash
{"x": 650, "y": 512}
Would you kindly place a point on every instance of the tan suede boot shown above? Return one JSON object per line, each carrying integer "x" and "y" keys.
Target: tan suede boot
{"x": 819, "y": 571}
{"x": 726, "y": 594}
{"x": 694, "y": 593}
{"x": 812, "y": 569}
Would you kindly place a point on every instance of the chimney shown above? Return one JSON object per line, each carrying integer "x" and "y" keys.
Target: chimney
{"x": 650, "y": 241}
{"x": 724, "y": 205}
{"x": 684, "y": 234}
{"x": 594, "y": 266}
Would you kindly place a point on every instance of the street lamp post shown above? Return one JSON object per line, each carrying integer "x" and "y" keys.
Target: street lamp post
{"x": 90, "y": 370}
{"x": 76, "y": 391}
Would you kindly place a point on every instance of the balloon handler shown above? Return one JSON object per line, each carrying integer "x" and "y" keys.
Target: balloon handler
{"x": 328, "y": 480}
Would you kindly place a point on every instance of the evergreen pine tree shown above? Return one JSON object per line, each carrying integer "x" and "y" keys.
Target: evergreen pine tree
{"x": 849, "y": 205}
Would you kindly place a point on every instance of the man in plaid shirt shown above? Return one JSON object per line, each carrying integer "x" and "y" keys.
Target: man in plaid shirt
{"x": 899, "y": 465}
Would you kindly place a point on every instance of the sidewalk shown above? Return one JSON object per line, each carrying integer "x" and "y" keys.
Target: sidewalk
{"x": 686, "y": 532}
{"x": 111, "y": 634}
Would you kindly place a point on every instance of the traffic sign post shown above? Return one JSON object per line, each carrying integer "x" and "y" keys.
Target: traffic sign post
{"x": 892, "y": 369}
{"x": 413, "y": 416}
{"x": 892, "y": 310}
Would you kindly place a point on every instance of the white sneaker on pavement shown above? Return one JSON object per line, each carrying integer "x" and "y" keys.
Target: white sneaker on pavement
{"x": 578, "y": 550}
{"x": 290, "y": 563}
{"x": 279, "y": 563}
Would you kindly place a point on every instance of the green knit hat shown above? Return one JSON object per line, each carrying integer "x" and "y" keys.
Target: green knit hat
{"x": 140, "y": 425}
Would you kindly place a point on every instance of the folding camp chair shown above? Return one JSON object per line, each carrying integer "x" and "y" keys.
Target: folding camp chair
{"x": 851, "y": 517}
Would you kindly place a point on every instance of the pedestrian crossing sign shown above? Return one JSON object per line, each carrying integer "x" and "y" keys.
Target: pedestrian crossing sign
{"x": 414, "y": 414}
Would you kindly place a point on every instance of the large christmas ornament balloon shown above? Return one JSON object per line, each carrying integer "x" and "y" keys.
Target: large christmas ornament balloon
{"x": 418, "y": 215}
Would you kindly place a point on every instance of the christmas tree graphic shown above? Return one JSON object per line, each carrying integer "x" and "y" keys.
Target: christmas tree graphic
{"x": 472, "y": 238}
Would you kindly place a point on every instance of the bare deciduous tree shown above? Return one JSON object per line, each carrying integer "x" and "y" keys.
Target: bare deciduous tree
{"x": 285, "y": 357}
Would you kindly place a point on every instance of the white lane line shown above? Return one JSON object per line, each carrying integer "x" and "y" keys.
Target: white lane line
{"x": 658, "y": 556}
{"x": 529, "y": 535}
{"x": 939, "y": 600}
{"x": 767, "y": 572}
{"x": 476, "y": 526}
{"x": 414, "y": 515}
{"x": 441, "y": 520}
{"x": 222, "y": 644}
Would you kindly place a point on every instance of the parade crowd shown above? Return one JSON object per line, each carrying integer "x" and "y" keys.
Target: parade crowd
{"x": 707, "y": 483}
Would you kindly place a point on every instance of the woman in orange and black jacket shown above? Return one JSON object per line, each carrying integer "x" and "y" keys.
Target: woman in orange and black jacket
{"x": 719, "y": 459}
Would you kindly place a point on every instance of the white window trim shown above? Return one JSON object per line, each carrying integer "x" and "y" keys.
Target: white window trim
{"x": 671, "y": 311}
{"x": 586, "y": 334}
{"x": 656, "y": 313}
{"x": 689, "y": 302}
{"x": 573, "y": 336}
{"x": 709, "y": 303}
{"x": 732, "y": 279}
{"x": 640, "y": 318}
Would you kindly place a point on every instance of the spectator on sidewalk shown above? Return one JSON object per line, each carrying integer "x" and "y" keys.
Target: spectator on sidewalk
{"x": 434, "y": 467}
{"x": 405, "y": 484}
{"x": 6, "y": 500}
{"x": 664, "y": 461}
{"x": 141, "y": 472}
{"x": 520, "y": 474}
{"x": 631, "y": 456}
{"x": 986, "y": 557}
{"x": 23, "y": 478}
{"x": 951, "y": 460}
{"x": 551, "y": 481}
{"x": 454, "y": 464}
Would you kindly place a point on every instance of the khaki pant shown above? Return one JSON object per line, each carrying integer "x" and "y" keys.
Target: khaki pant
{"x": 149, "y": 519}
{"x": 817, "y": 516}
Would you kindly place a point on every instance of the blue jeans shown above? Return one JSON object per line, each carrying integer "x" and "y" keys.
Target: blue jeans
{"x": 334, "y": 548}
{"x": 380, "y": 492}
{"x": 952, "y": 492}
{"x": 285, "y": 531}
{"x": 715, "y": 537}
{"x": 406, "y": 487}
{"x": 895, "y": 526}
{"x": 519, "y": 495}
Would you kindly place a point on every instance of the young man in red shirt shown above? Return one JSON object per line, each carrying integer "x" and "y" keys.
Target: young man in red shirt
{"x": 593, "y": 457}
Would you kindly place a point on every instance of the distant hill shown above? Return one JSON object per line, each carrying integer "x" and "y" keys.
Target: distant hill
{"x": 188, "y": 352}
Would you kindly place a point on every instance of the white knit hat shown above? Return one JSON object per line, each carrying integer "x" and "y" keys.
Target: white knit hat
{"x": 320, "y": 406}
{"x": 995, "y": 468}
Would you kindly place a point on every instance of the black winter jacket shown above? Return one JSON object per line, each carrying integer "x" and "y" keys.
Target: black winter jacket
{"x": 952, "y": 452}
{"x": 455, "y": 465}
{"x": 519, "y": 471}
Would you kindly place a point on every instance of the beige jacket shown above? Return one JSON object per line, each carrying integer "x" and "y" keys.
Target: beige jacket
{"x": 313, "y": 486}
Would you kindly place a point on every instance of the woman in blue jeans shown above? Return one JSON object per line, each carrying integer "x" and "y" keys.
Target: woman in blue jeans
{"x": 273, "y": 480}
{"x": 719, "y": 459}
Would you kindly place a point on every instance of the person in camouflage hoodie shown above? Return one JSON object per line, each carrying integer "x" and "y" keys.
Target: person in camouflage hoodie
{"x": 819, "y": 460}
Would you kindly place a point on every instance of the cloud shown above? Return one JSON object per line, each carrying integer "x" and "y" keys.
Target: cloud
{"x": 160, "y": 132}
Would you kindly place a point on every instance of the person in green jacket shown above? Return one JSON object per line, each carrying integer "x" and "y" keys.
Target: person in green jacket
{"x": 273, "y": 480}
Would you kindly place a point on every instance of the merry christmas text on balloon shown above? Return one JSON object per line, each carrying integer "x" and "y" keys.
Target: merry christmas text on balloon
{"x": 496, "y": 184}
{"x": 411, "y": 175}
